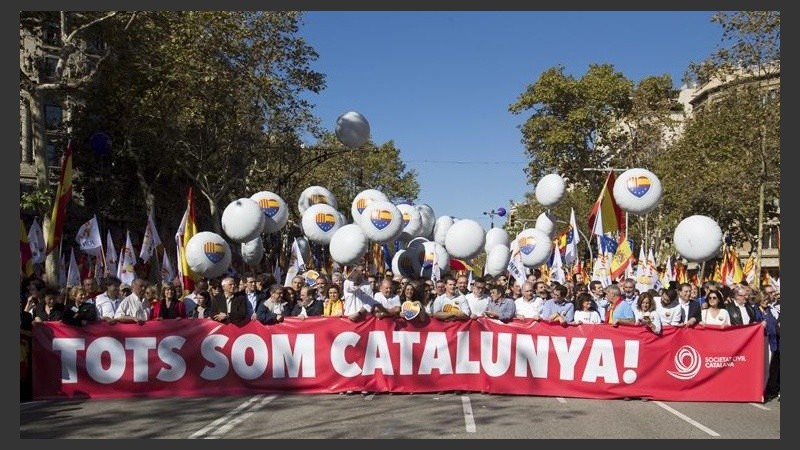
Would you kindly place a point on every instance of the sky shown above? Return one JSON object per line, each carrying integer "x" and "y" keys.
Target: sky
{"x": 439, "y": 83}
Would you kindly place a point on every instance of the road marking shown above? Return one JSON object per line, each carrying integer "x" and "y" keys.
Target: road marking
{"x": 469, "y": 420}
{"x": 222, "y": 419}
{"x": 219, "y": 432}
{"x": 369, "y": 396}
{"x": 561, "y": 400}
{"x": 688, "y": 419}
{"x": 760, "y": 406}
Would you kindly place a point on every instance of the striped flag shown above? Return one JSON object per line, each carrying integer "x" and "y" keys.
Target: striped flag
{"x": 186, "y": 230}
{"x": 621, "y": 259}
{"x": 612, "y": 217}
{"x": 63, "y": 195}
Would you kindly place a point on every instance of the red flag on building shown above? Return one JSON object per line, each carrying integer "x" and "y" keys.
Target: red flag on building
{"x": 63, "y": 195}
{"x": 613, "y": 218}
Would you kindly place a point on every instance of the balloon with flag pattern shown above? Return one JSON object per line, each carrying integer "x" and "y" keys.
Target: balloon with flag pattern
{"x": 276, "y": 213}
{"x": 535, "y": 247}
{"x": 637, "y": 191}
{"x": 364, "y": 198}
{"x": 319, "y": 222}
{"x": 208, "y": 254}
{"x": 313, "y": 195}
{"x": 381, "y": 221}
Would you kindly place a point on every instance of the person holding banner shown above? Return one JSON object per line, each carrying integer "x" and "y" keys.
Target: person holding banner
{"x": 619, "y": 311}
{"x": 558, "y": 309}
{"x": 646, "y": 313}
{"x": 451, "y": 305}
{"x": 231, "y": 306}
{"x": 499, "y": 307}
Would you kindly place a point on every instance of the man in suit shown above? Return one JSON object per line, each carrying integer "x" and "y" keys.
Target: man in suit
{"x": 231, "y": 306}
{"x": 740, "y": 309}
{"x": 691, "y": 314}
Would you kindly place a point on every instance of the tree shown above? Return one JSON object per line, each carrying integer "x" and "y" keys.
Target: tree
{"x": 72, "y": 38}
{"x": 572, "y": 125}
{"x": 198, "y": 98}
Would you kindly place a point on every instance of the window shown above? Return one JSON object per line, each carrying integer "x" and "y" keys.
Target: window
{"x": 49, "y": 67}
{"x": 771, "y": 237}
{"x": 52, "y": 116}
{"x": 51, "y": 34}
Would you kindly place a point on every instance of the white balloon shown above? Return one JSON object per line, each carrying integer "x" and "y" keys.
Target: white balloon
{"x": 364, "y": 198}
{"x": 637, "y": 191}
{"x": 276, "y": 213}
{"x": 352, "y": 129}
{"x": 252, "y": 251}
{"x": 497, "y": 259}
{"x": 313, "y": 195}
{"x": 440, "y": 228}
{"x": 381, "y": 221}
{"x": 208, "y": 254}
{"x": 534, "y": 247}
{"x": 243, "y": 220}
{"x": 495, "y": 236}
{"x": 698, "y": 238}
{"x": 401, "y": 264}
{"x": 348, "y": 244}
{"x": 465, "y": 239}
{"x": 550, "y": 189}
{"x": 319, "y": 222}
{"x": 412, "y": 222}
{"x": 428, "y": 218}
{"x": 546, "y": 223}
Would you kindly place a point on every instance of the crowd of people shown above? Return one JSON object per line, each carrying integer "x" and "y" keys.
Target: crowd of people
{"x": 357, "y": 294}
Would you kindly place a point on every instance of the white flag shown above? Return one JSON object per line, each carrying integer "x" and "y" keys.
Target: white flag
{"x": 515, "y": 266}
{"x": 668, "y": 274}
{"x": 557, "y": 268}
{"x": 111, "y": 256}
{"x": 276, "y": 271}
{"x": 88, "y": 238}
{"x": 167, "y": 272}
{"x": 74, "y": 274}
{"x": 573, "y": 237}
{"x": 62, "y": 271}
{"x": 151, "y": 240}
{"x": 127, "y": 261}
{"x": 36, "y": 241}
{"x": 299, "y": 262}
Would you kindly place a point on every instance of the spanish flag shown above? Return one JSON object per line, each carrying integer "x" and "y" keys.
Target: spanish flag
{"x": 63, "y": 195}
{"x": 622, "y": 259}
{"x": 613, "y": 219}
{"x": 186, "y": 230}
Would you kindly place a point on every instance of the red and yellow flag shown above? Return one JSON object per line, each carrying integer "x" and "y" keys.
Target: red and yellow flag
{"x": 622, "y": 258}
{"x": 25, "y": 256}
{"x": 63, "y": 195}
{"x": 613, "y": 219}
{"x": 186, "y": 230}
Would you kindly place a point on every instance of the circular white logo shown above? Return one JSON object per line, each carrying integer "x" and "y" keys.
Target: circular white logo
{"x": 687, "y": 363}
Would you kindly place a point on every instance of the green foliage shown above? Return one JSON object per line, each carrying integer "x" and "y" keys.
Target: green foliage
{"x": 37, "y": 202}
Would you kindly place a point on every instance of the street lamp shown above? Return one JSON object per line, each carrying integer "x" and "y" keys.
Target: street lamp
{"x": 495, "y": 212}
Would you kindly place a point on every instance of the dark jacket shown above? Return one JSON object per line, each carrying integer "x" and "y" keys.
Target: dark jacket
{"x": 76, "y": 315}
{"x": 736, "y": 314}
{"x": 238, "y": 313}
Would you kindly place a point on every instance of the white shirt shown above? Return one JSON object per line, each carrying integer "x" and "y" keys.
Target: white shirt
{"x": 131, "y": 306}
{"x": 745, "y": 316}
{"x": 106, "y": 306}
{"x": 588, "y": 317}
{"x": 356, "y": 297}
{"x": 477, "y": 305}
{"x": 529, "y": 309}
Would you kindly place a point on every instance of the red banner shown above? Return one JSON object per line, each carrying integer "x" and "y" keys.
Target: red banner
{"x": 328, "y": 355}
